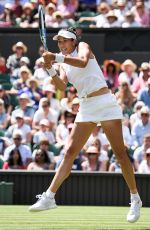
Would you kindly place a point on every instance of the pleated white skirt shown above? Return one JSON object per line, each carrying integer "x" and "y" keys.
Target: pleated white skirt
{"x": 99, "y": 108}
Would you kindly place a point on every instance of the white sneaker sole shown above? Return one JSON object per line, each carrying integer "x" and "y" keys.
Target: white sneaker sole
{"x": 39, "y": 210}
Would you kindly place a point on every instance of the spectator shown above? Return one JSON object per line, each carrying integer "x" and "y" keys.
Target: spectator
{"x": 62, "y": 131}
{"x": 27, "y": 16}
{"x": 17, "y": 9}
{"x": 136, "y": 115}
{"x": 14, "y": 161}
{"x": 20, "y": 126}
{"x": 145, "y": 164}
{"x": 45, "y": 111}
{"x": 3, "y": 68}
{"x": 44, "y": 133}
{"x": 141, "y": 14}
{"x": 41, "y": 161}
{"x": 128, "y": 67}
{"x": 24, "y": 150}
{"x": 121, "y": 10}
{"x": 129, "y": 20}
{"x": 144, "y": 75}
{"x": 59, "y": 21}
{"x": 24, "y": 107}
{"x": 44, "y": 146}
{"x": 33, "y": 91}
{"x": 13, "y": 61}
{"x": 75, "y": 105}
{"x": 7, "y": 100}
{"x": 24, "y": 75}
{"x": 99, "y": 19}
{"x": 40, "y": 73}
{"x": 66, "y": 102}
{"x": 111, "y": 73}
{"x": 24, "y": 61}
{"x": 126, "y": 98}
{"x": 49, "y": 91}
{"x": 4, "y": 118}
{"x": 50, "y": 9}
{"x": 67, "y": 9}
{"x": 96, "y": 161}
{"x": 6, "y": 18}
{"x": 142, "y": 127}
{"x": 144, "y": 94}
{"x": 112, "y": 20}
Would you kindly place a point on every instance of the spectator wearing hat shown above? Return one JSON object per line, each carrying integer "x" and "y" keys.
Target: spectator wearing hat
{"x": 121, "y": 10}
{"x": 40, "y": 73}
{"x": 141, "y": 13}
{"x": 59, "y": 21}
{"x": 100, "y": 19}
{"x": 129, "y": 20}
{"x": 4, "y": 118}
{"x": 138, "y": 154}
{"x": 112, "y": 20}
{"x": 27, "y": 17}
{"x": 144, "y": 94}
{"x": 142, "y": 80}
{"x": 20, "y": 125}
{"x": 45, "y": 112}
{"x": 33, "y": 91}
{"x": 75, "y": 105}
{"x": 13, "y": 61}
{"x": 44, "y": 132}
{"x": 24, "y": 61}
{"x": 50, "y": 9}
{"x": 128, "y": 68}
{"x": 96, "y": 160}
{"x": 136, "y": 112}
{"x": 24, "y": 75}
{"x": 141, "y": 127}
{"x": 111, "y": 73}
{"x": 24, "y": 150}
{"x": 24, "y": 107}
{"x": 49, "y": 91}
{"x": 144, "y": 167}
{"x": 7, "y": 100}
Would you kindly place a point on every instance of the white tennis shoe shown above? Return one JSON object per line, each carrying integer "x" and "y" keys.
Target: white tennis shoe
{"x": 43, "y": 203}
{"x": 134, "y": 212}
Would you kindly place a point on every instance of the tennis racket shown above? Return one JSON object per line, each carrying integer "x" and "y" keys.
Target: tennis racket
{"x": 42, "y": 26}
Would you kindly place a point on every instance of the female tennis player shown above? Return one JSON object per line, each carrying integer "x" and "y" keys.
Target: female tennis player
{"x": 97, "y": 104}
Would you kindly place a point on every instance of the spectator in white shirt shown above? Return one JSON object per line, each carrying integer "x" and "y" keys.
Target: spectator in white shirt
{"x": 145, "y": 164}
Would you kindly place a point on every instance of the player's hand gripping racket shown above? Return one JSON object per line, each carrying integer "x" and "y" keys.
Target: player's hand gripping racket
{"x": 42, "y": 26}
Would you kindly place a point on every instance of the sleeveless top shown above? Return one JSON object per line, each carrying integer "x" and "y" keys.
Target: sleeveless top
{"x": 85, "y": 80}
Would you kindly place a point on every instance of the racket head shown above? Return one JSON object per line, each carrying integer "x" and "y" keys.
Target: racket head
{"x": 42, "y": 26}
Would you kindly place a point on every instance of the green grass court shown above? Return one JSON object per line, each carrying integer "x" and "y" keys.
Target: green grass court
{"x": 71, "y": 218}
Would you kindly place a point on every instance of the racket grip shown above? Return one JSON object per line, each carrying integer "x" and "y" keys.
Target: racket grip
{"x": 52, "y": 72}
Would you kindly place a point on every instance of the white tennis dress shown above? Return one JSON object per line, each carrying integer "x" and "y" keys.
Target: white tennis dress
{"x": 87, "y": 80}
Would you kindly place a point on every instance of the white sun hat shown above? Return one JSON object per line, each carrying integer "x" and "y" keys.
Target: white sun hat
{"x": 65, "y": 34}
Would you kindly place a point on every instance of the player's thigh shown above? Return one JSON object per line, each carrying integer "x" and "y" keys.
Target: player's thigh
{"x": 78, "y": 136}
{"x": 113, "y": 131}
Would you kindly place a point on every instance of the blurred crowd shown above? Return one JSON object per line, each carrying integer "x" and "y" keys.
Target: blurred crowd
{"x": 35, "y": 129}
{"x": 82, "y": 13}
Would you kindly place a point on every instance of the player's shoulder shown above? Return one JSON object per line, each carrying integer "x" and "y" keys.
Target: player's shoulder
{"x": 83, "y": 44}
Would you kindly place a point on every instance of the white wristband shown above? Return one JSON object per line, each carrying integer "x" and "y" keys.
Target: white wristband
{"x": 52, "y": 72}
{"x": 59, "y": 58}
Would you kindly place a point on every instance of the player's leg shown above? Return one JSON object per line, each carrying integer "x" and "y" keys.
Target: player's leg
{"x": 79, "y": 135}
{"x": 113, "y": 131}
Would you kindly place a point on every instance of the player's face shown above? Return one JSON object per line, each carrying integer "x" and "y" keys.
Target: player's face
{"x": 65, "y": 45}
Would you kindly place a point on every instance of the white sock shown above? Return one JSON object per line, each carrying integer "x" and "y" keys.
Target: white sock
{"x": 135, "y": 196}
{"x": 50, "y": 194}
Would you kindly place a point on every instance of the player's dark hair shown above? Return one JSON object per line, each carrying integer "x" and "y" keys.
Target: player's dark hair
{"x": 74, "y": 31}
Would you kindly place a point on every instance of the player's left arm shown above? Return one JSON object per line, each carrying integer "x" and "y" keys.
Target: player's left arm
{"x": 84, "y": 53}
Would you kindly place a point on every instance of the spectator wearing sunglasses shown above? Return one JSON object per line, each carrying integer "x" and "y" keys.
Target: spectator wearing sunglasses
{"x": 145, "y": 164}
